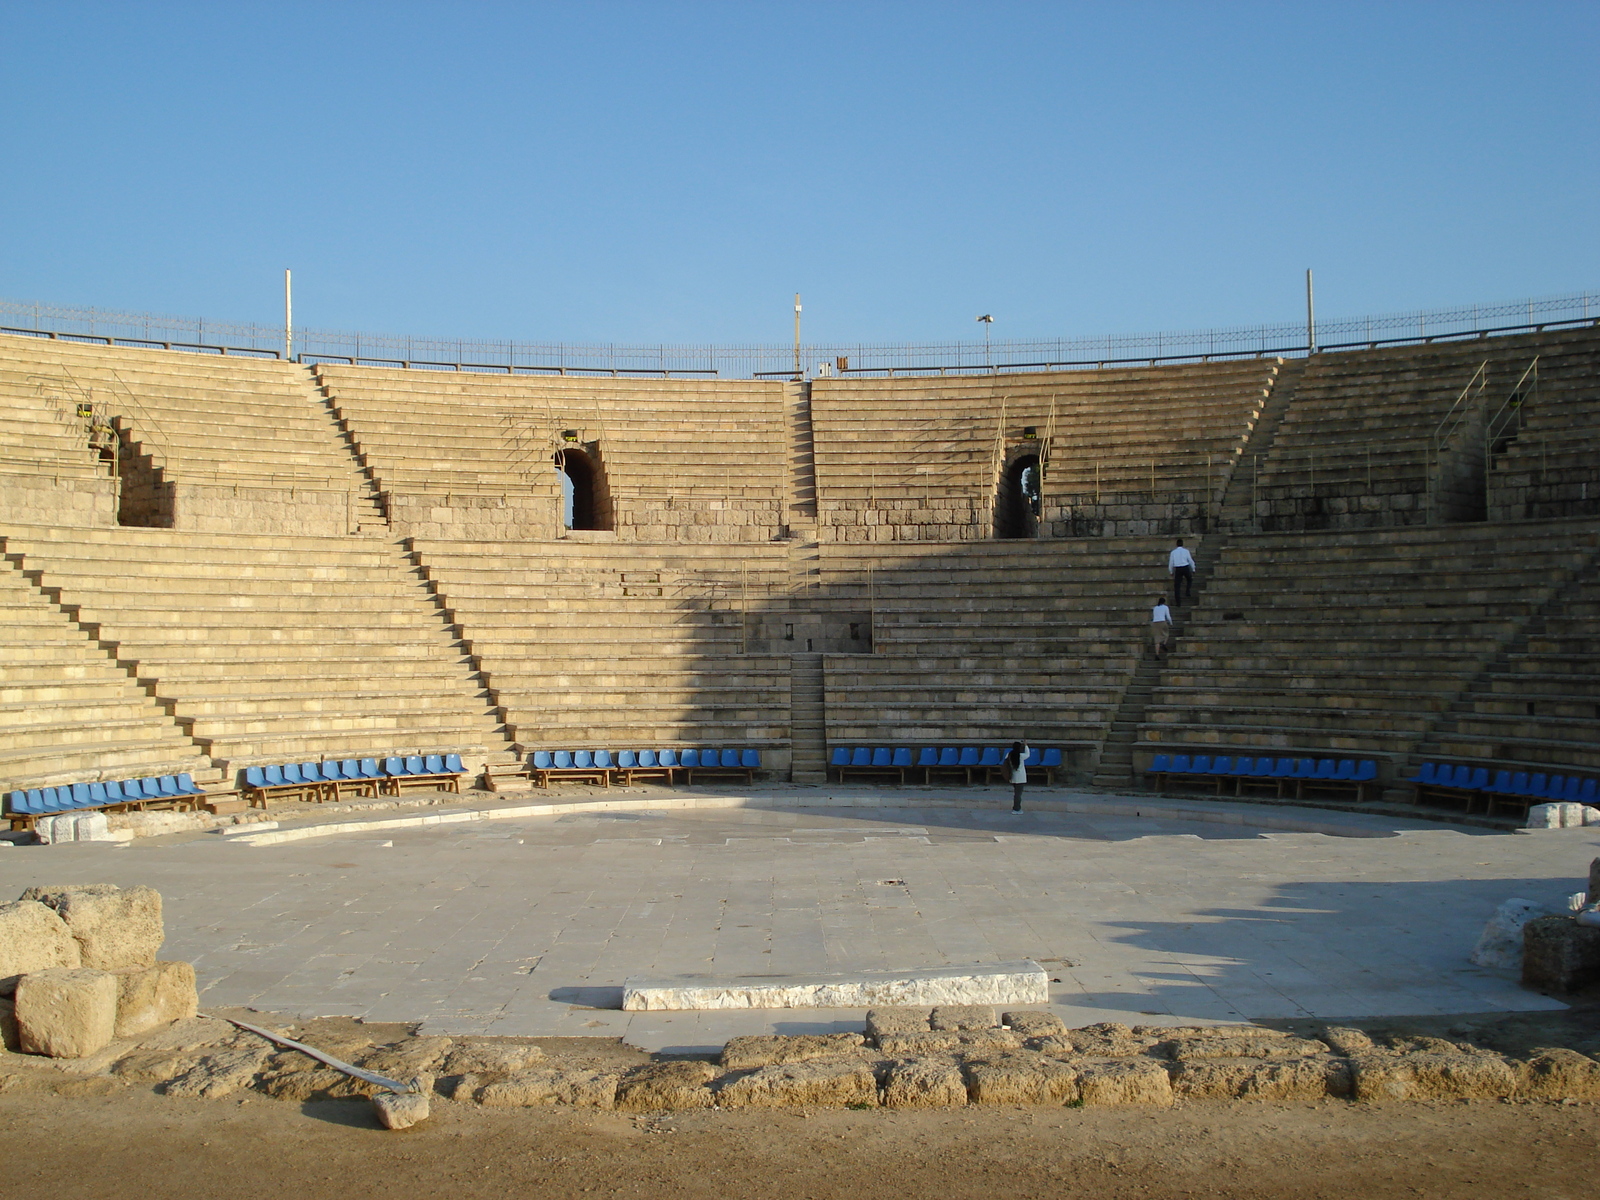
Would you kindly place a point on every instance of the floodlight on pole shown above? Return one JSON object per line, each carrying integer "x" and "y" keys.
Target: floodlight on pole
{"x": 988, "y": 354}
{"x": 797, "y": 333}
{"x": 288, "y": 318}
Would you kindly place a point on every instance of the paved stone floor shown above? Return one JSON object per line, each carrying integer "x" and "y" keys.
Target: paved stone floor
{"x": 529, "y": 925}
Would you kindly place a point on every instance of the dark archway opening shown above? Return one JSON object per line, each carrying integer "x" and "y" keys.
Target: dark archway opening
{"x": 1017, "y": 510}
{"x": 584, "y": 504}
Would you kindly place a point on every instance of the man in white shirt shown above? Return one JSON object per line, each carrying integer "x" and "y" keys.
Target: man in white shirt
{"x": 1160, "y": 625}
{"x": 1180, "y": 565}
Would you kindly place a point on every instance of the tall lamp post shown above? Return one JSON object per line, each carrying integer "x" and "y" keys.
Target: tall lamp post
{"x": 988, "y": 353}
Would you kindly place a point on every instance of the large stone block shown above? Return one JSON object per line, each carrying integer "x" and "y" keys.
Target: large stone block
{"x": 33, "y": 937}
{"x": 1430, "y": 1076}
{"x": 925, "y": 1083}
{"x": 962, "y": 1016}
{"x": 115, "y": 929}
{"x": 746, "y": 1053}
{"x": 1558, "y": 1073}
{"x": 1560, "y": 955}
{"x": 1252, "y": 1079}
{"x": 148, "y": 997}
{"x": 667, "y": 1085}
{"x": 902, "y": 1020}
{"x": 553, "y": 1085}
{"x": 66, "y": 1013}
{"x": 1020, "y": 1077}
{"x": 997, "y": 983}
{"x": 835, "y": 1083}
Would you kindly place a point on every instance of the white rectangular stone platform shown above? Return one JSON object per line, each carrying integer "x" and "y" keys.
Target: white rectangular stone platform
{"x": 1022, "y": 982}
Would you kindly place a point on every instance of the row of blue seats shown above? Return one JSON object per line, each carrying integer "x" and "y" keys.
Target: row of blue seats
{"x": 362, "y": 776}
{"x": 624, "y": 760}
{"x": 1280, "y": 774}
{"x": 1521, "y": 787}
{"x": 72, "y": 797}
{"x": 949, "y": 757}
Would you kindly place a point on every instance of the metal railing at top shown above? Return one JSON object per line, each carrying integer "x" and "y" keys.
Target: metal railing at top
{"x": 513, "y": 357}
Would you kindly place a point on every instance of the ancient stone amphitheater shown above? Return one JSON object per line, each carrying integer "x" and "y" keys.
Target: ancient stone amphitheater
{"x": 218, "y": 561}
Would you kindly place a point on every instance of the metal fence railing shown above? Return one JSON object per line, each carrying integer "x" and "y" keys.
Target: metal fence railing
{"x": 775, "y": 361}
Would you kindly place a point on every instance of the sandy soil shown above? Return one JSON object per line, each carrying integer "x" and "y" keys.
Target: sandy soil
{"x": 136, "y": 1143}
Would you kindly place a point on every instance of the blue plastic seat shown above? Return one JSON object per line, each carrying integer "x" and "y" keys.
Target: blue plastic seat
{"x": 689, "y": 758}
{"x": 167, "y": 785}
{"x": 1222, "y": 764}
{"x": 992, "y": 756}
{"x": 928, "y": 756}
{"x": 188, "y": 787}
{"x": 627, "y": 759}
{"x": 1590, "y": 792}
{"x": 1536, "y": 785}
{"x": 291, "y": 773}
{"x": 414, "y": 764}
{"x": 350, "y": 769}
{"x": 329, "y": 771}
{"x": 1200, "y": 764}
{"x": 841, "y": 757}
{"x": 669, "y": 758}
{"x": 48, "y": 801}
{"x": 255, "y": 777}
{"x": 563, "y": 760}
{"x": 1366, "y": 769}
{"x": 369, "y": 769}
{"x": 1052, "y": 757}
{"x": 543, "y": 760}
{"x": 709, "y": 757}
{"x": 602, "y": 758}
{"x": 1427, "y": 774}
{"x": 902, "y": 757}
{"x": 1520, "y": 785}
{"x": 272, "y": 776}
{"x": 861, "y": 757}
{"x": 647, "y": 758}
{"x": 1180, "y": 764}
{"x": 1502, "y": 783}
{"x": 114, "y": 793}
{"x": 729, "y": 758}
{"x": 1571, "y": 788}
{"x": 752, "y": 759}
{"x": 950, "y": 756}
{"x": 80, "y": 795}
{"x": 452, "y": 764}
{"x": 969, "y": 756}
{"x": 311, "y": 772}
{"x": 1305, "y": 768}
{"x": 1346, "y": 770}
{"x": 150, "y": 789}
{"x": 433, "y": 764}
{"x": 17, "y": 802}
{"x": 1032, "y": 759}
{"x": 883, "y": 756}
{"x": 394, "y": 767}
{"x": 1325, "y": 769}
{"x": 1479, "y": 779}
{"x": 1160, "y": 764}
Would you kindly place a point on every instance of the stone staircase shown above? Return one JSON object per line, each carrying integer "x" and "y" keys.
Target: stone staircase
{"x": 1238, "y": 501}
{"x": 807, "y": 722}
{"x": 1115, "y": 768}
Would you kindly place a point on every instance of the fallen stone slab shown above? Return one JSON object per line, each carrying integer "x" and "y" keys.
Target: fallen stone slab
{"x": 1251, "y": 1045}
{"x": 949, "y": 1042}
{"x": 490, "y": 1058}
{"x": 962, "y": 1016}
{"x": 1107, "y": 1039}
{"x": 552, "y": 1085}
{"x": 33, "y": 937}
{"x": 1252, "y": 1079}
{"x": 1558, "y": 1073}
{"x": 115, "y": 929}
{"x": 155, "y": 1066}
{"x": 220, "y": 1074}
{"x": 1343, "y": 1040}
{"x": 1124, "y": 1081}
{"x": 1020, "y": 1077}
{"x": 924, "y": 1083}
{"x": 765, "y": 1050}
{"x": 667, "y": 1085}
{"x": 997, "y": 983}
{"x": 898, "y": 1020}
{"x": 1028, "y": 1023}
{"x": 1379, "y": 1077}
{"x": 66, "y": 1012}
{"x": 149, "y": 997}
{"x": 832, "y": 1083}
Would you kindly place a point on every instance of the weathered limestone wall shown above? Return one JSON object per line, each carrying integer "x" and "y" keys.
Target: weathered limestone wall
{"x": 45, "y": 500}
{"x": 475, "y": 518}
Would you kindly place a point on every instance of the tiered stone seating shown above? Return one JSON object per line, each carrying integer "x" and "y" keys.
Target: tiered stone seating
{"x": 1353, "y": 450}
{"x": 593, "y": 645}
{"x": 50, "y": 471}
{"x": 235, "y": 443}
{"x": 1552, "y": 467}
{"x": 1539, "y": 703}
{"x": 1351, "y": 643}
{"x": 69, "y": 712}
{"x": 468, "y": 455}
{"x": 273, "y": 647}
{"x": 988, "y": 642}
{"x": 914, "y": 459}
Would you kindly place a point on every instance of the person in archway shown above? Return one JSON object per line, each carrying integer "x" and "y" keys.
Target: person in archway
{"x": 1180, "y": 565}
{"x": 1019, "y": 774}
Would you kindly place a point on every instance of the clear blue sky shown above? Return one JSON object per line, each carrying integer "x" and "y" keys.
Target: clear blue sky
{"x": 642, "y": 172}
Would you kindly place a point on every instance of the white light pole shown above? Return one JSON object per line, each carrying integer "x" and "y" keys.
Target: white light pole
{"x": 797, "y": 333}
{"x": 988, "y": 353}
{"x": 1311, "y": 318}
{"x": 288, "y": 318}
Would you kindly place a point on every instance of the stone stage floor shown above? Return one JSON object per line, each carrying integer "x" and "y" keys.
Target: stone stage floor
{"x": 528, "y": 925}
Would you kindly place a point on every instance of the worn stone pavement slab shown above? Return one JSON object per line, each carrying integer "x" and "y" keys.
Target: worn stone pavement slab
{"x": 528, "y": 924}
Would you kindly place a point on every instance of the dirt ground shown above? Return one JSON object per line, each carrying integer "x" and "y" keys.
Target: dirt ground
{"x": 137, "y": 1143}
